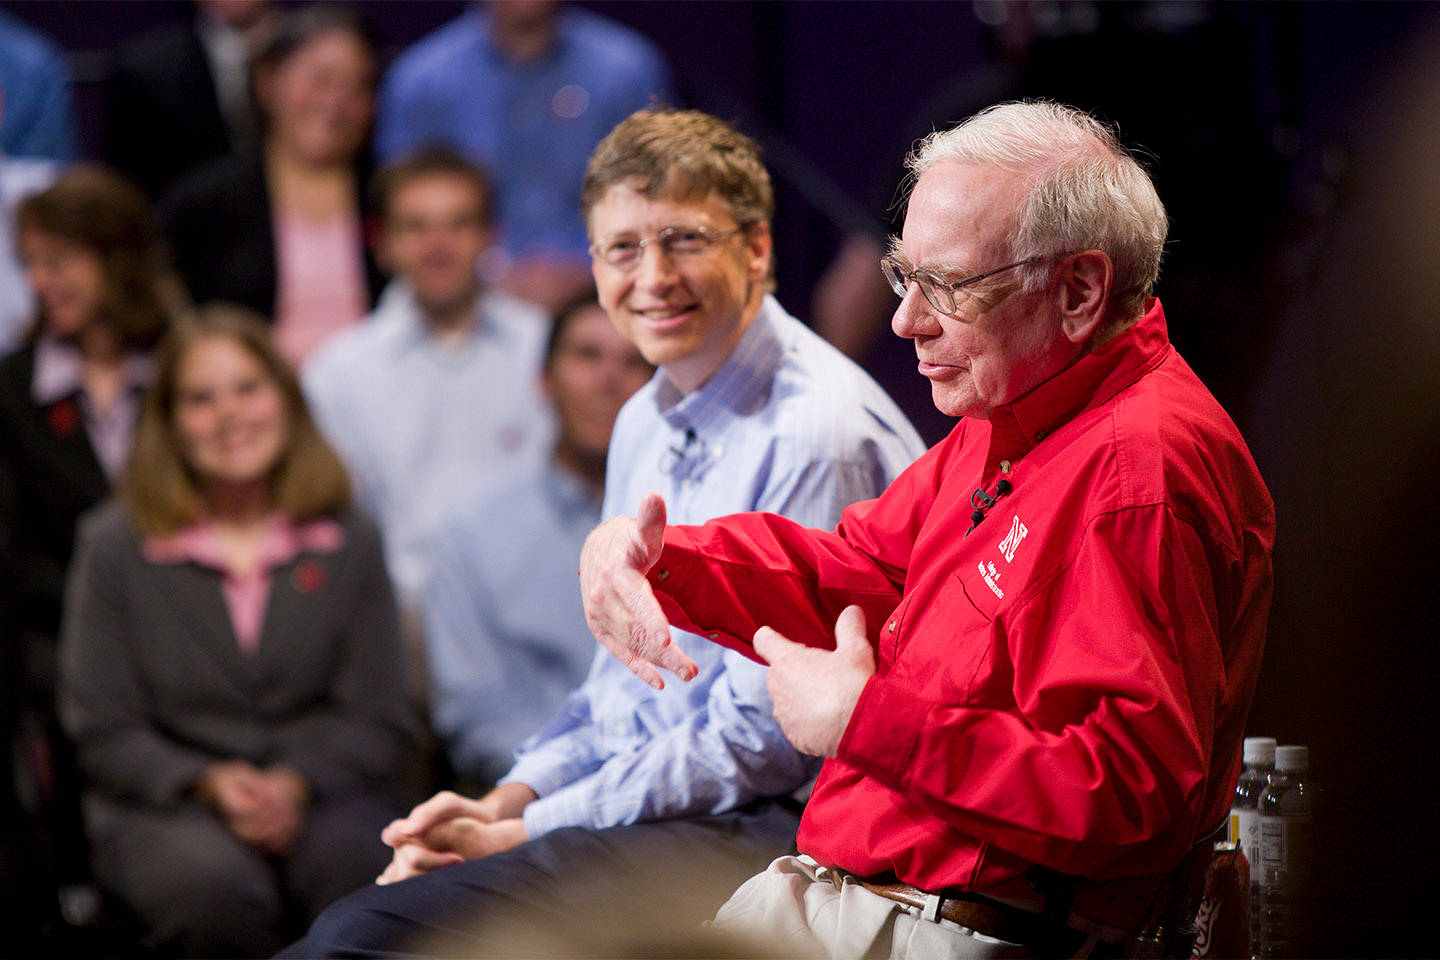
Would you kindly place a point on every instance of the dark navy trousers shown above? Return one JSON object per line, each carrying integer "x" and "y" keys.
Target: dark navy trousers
{"x": 625, "y": 891}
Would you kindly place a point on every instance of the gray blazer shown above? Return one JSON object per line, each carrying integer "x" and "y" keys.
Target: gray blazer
{"x": 154, "y": 687}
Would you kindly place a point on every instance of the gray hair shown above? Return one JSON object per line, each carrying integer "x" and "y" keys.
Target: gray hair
{"x": 1087, "y": 191}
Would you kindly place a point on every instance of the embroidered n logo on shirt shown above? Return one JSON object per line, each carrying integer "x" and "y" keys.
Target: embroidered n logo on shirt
{"x": 1011, "y": 543}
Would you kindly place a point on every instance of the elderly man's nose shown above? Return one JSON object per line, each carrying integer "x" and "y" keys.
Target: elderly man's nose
{"x": 914, "y": 317}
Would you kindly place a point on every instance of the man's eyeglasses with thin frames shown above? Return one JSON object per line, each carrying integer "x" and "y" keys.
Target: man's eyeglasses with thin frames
{"x": 940, "y": 292}
{"x": 625, "y": 249}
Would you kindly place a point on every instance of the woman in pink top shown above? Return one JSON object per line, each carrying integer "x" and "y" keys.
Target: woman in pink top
{"x": 230, "y": 662}
{"x": 281, "y": 229}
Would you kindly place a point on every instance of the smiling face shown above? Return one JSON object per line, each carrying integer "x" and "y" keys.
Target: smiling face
{"x": 591, "y": 374}
{"x": 1003, "y": 341}
{"x": 684, "y": 313}
{"x": 434, "y": 233}
{"x": 67, "y": 278}
{"x": 319, "y": 99}
{"x": 229, "y": 414}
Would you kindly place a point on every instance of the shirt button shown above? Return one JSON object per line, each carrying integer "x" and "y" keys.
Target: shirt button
{"x": 713, "y": 636}
{"x": 1004, "y": 466}
{"x": 663, "y": 575}
{"x": 892, "y": 626}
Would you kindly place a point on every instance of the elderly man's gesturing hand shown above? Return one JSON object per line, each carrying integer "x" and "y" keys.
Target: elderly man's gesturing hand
{"x": 814, "y": 692}
{"x": 619, "y": 605}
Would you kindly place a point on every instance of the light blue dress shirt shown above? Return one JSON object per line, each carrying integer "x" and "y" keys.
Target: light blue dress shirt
{"x": 531, "y": 125}
{"x": 788, "y": 425}
{"x": 424, "y": 424}
{"x": 37, "y": 119}
{"x": 504, "y": 626}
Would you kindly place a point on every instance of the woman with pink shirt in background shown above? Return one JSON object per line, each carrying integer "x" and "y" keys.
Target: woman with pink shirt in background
{"x": 230, "y": 659}
{"x": 281, "y": 229}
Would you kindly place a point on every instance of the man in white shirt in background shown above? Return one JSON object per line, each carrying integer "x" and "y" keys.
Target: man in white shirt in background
{"x": 435, "y": 400}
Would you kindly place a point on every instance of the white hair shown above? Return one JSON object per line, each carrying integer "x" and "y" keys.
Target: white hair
{"x": 1086, "y": 190}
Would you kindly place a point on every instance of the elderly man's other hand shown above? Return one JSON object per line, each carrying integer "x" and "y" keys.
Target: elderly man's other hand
{"x": 815, "y": 691}
{"x": 620, "y": 607}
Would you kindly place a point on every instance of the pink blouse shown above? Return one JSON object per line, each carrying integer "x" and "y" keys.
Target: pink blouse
{"x": 247, "y": 593}
{"x": 321, "y": 281}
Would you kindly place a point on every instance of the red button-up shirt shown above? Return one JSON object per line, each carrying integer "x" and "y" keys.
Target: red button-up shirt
{"x": 1065, "y": 685}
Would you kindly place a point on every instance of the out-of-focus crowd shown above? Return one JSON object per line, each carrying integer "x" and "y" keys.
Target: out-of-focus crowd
{"x": 305, "y": 401}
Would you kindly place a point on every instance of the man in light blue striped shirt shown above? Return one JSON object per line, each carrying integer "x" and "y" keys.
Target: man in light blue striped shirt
{"x": 636, "y": 803}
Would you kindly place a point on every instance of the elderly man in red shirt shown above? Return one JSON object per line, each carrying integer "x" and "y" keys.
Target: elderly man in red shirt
{"x": 1030, "y": 660}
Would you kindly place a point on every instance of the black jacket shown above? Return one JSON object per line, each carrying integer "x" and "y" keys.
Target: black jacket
{"x": 218, "y": 223}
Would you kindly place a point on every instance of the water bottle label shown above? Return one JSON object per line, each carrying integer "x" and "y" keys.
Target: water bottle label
{"x": 1246, "y": 824}
{"x": 1286, "y": 845}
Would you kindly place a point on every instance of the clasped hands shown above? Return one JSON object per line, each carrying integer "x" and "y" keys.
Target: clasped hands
{"x": 264, "y": 808}
{"x": 449, "y": 828}
{"x": 813, "y": 691}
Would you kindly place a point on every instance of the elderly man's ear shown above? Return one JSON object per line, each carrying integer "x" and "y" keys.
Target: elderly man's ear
{"x": 1085, "y": 289}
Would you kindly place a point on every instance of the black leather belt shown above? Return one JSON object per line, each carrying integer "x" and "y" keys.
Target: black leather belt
{"x": 984, "y": 916}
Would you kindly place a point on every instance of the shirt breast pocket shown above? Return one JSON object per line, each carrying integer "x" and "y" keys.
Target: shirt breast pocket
{"x": 951, "y": 638}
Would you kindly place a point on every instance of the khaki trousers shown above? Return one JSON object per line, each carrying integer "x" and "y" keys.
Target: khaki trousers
{"x": 794, "y": 909}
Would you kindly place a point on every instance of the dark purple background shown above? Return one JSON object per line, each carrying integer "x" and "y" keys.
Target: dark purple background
{"x": 1294, "y": 146}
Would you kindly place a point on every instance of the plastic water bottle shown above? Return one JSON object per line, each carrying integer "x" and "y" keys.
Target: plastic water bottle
{"x": 1287, "y": 848}
{"x": 1259, "y": 760}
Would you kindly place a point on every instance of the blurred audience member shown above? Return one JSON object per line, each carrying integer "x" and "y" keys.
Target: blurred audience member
{"x": 504, "y": 627}
{"x": 279, "y": 229}
{"x": 229, "y": 651}
{"x": 19, "y": 178}
{"x": 178, "y": 94}
{"x": 435, "y": 400}
{"x": 527, "y": 88}
{"x": 25, "y": 885}
{"x": 35, "y": 112}
{"x": 68, "y": 403}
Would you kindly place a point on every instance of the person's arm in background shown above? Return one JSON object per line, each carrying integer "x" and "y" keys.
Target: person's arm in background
{"x": 36, "y": 116}
{"x": 852, "y": 303}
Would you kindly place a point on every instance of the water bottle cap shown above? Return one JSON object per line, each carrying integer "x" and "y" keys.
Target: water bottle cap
{"x": 1260, "y": 750}
{"x": 1292, "y": 759}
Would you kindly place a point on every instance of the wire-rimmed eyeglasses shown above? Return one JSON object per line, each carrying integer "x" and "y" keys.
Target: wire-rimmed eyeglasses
{"x": 940, "y": 292}
{"x": 625, "y": 249}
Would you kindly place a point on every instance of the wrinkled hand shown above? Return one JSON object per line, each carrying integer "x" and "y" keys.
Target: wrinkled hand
{"x": 620, "y": 607}
{"x": 449, "y": 828}
{"x": 814, "y": 692}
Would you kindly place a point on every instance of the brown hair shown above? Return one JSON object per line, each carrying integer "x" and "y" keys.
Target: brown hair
{"x": 428, "y": 161}
{"x": 96, "y": 208}
{"x": 162, "y": 489}
{"x": 297, "y": 28}
{"x": 686, "y": 155}
{"x": 562, "y": 318}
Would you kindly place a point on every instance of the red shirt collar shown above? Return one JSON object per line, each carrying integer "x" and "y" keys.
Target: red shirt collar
{"x": 1018, "y": 426}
